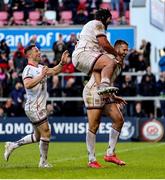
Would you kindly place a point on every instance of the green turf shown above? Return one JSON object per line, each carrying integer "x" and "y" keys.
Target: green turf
{"x": 144, "y": 160}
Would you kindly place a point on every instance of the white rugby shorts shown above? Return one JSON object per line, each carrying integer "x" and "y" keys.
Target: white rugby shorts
{"x": 37, "y": 117}
{"x": 85, "y": 60}
{"x": 94, "y": 101}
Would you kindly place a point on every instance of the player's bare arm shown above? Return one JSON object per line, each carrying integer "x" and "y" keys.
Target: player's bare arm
{"x": 31, "y": 82}
{"x": 57, "y": 69}
{"x": 103, "y": 42}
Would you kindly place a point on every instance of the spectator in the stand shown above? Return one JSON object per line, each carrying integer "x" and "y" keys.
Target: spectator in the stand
{"x": 149, "y": 73}
{"x": 71, "y": 90}
{"x": 133, "y": 59}
{"x": 28, "y": 6}
{"x": 16, "y": 5}
{"x": 54, "y": 5}
{"x": 3, "y": 60}
{"x": 129, "y": 89}
{"x": 2, "y": 114}
{"x": 93, "y": 4}
{"x": 17, "y": 95}
{"x": 4, "y": 47}
{"x": 70, "y": 45}
{"x": 3, "y": 82}
{"x": 145, "y": 50}
{"x": 54, "y": 86}
{"x": 19, "y": 62}
{"x": 58, "y": 48}
{"x": 45, "y": 60}
{"x": 162, "y": 62}
{"x": 68, "y": 68}
{"x": 139, "y": 112}
{"x": 141, "y": 66}
{"x": 71, "y": 5}
{"x": 2, "y": 5}
{"x": 125, "y": 6}
{"x": 81, "y": 17}
{"x": 13, "y": 79}
{"x": 160, "y": 85}
{"x": 148, "y": 88}
{"x": 9, "y": 108}
{"x": 39, "y": 4}
{"x": 115, "y": 4}
{"x": 20, "y": 48}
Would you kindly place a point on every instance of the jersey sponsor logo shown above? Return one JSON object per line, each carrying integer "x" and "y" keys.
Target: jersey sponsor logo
{"x": 152, "y": 130}
{"x": 127, "y": 131}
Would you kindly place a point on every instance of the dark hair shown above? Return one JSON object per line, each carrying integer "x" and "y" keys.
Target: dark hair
{"x": 102, "y": 15}
{"x": 28, "y": 48}
{"x": 120, "y": 42}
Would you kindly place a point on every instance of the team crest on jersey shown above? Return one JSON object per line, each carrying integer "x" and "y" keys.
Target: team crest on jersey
{"x": 99, "y": 27}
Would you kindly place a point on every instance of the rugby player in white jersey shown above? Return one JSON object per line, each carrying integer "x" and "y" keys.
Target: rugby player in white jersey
{"x": 94, "y": 53}
{"x": 108, "y": 104}
{"x": 35, "y": 82}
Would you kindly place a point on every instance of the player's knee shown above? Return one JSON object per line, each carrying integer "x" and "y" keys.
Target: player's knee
{"x": 37, "y": 136}
{"x": 46, "y": 133}
{"x": 94, "y": 128}
{"x": 120, "y": 123}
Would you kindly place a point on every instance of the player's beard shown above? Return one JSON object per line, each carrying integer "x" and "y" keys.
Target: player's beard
{"x": 106, "y": 25}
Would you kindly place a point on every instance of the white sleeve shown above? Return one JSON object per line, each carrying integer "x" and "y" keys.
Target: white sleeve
{"x": 99, "y": 29}
{"x": 27, "y": 73}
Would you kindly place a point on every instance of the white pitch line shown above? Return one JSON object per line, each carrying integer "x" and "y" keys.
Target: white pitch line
{"x": 101, "y": 154}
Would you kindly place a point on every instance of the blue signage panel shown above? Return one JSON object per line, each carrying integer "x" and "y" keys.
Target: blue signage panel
{"x": 47, "y": 36}
{"x": 65, "y": 129}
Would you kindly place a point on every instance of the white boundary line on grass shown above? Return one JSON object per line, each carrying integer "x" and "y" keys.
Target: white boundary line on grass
{"x": 121, "y": 151}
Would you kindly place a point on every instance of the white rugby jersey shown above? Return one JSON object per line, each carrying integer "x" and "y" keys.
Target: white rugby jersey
{"x": 36, "y": 96}
{"x": 88, "y": 36}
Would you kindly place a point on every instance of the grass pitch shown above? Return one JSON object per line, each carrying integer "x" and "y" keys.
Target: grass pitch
{"x": 144, "y": 160}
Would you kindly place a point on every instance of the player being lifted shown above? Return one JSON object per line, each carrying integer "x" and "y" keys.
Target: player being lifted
{"x": 108, "y": 104}
{"x": 35, "y": 82}
{"x": 94, "y": 53}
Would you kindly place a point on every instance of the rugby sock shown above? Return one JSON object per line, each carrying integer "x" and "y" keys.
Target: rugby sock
{"x": 113, "y": 137}
{"x": 31, "y": 138}
{"x": 44, "y": 145}
{"x": 105, "y": 80}
{"x": 90, "y": 142}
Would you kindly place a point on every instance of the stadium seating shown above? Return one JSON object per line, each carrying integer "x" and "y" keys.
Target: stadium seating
{"x": 105, "y": 5}
{"x": 50, "y": 17}
{"x": 66, "y": 17}
{"x": 115, "y": 17}
{"x": 34, "y": 18}
{"x": 3, "y": 18}
{"x": 18, "y": 18}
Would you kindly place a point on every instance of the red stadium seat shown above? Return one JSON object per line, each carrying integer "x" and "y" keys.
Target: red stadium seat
{"x": 82, "y": 1}
{"x": 18, "y": 18}
{"x": 34, "y": 18}
{"x": 115, "y": 17}
{"x": 105, "y": 5}
{"x": 3, "y": 18}
{"x": 66, "y": 17}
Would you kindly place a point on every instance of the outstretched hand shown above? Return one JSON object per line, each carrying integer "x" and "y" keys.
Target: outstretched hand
{"x": 64, "y": 57}
{"x": 119, "y": 100}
